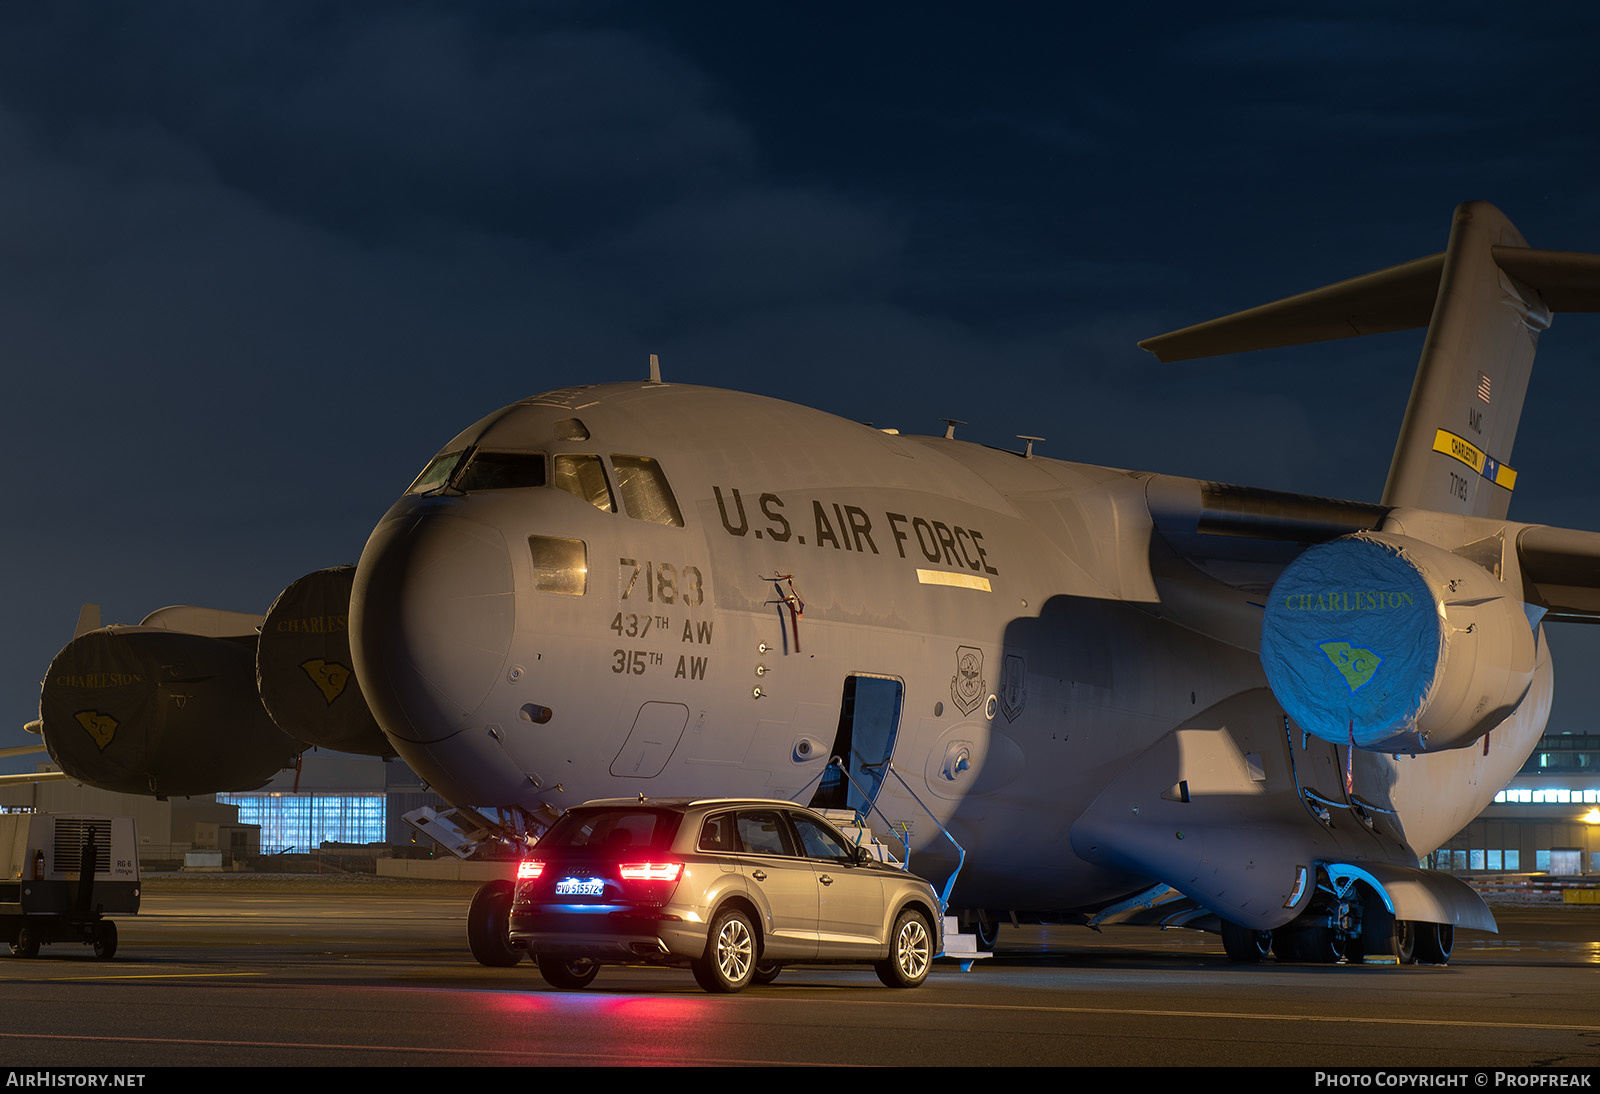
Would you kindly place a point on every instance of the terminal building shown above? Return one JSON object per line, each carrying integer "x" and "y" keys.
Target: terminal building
{"x": 1547, "y": 821}
{"x": 332, "y": 801}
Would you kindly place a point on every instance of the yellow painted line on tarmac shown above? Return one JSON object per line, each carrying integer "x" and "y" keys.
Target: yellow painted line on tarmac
{"x": 473, "y": 1054}
{"x": 127, "y": 976}
{"x": 1339, "y": 1019}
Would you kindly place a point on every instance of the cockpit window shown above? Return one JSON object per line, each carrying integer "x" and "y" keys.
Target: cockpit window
{"x": 644, "y": 490}
{"x": 559, "y": 565}
{"x": 501, "y": 471}
{"x": 436, "y": 474}
{"x": 585, "y": 477}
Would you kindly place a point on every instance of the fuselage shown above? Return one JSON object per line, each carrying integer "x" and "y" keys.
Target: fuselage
{"x": 667, "y": 590}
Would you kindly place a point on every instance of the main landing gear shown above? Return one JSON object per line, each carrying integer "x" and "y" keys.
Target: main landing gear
{"x": 1357, "y": 927}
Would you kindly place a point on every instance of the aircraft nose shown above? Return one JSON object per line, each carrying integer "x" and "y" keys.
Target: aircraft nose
{"x": 431, "y": 618}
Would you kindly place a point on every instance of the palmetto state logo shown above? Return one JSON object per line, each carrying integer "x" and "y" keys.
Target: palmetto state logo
{"x": 329, "y": 676}
{"x": 102, "y": 727}
{"x": 1356, "y": 665}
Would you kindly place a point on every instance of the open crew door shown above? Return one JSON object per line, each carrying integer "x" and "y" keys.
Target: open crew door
{"x": 869, "y": 721}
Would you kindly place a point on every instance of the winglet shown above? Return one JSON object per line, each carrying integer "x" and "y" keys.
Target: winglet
{"x": 88, "y": 620}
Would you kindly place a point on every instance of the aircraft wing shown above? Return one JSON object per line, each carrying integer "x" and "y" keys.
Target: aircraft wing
{"x": 1561, "y": 571}
{"x": 1244, "y": 536}
{"x": 32, "y": 777}
{"x": 1184, "y": 508}
{"x": 26, "y": 750}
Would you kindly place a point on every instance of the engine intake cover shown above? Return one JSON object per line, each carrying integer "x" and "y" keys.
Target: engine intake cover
{"x": 1396, "y": 643}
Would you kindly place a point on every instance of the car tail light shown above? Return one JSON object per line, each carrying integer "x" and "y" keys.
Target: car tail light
{"x": 650, "y": 871}
{"x": 529, "y": 869}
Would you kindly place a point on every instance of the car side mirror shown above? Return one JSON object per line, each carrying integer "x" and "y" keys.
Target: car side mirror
{"x": 864, "y": 856}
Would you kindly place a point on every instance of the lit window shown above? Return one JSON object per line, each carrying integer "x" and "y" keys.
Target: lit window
{"x": 644, "y": 490}
{"x": 584, "y": 477}
{"x": 303, "y": 822}
{"x": 559, "y": 565}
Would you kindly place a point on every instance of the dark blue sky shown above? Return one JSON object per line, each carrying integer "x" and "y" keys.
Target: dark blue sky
{"x": 258, "y": 261}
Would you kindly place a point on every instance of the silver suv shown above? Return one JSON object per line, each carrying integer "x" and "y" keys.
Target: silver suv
{"x": 733, "y": 888}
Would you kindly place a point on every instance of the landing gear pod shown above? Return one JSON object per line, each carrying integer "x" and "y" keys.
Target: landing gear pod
{"x": 1395, "y": 644}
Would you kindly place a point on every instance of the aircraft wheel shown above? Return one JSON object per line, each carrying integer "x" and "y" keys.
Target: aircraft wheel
{"x": 1434, "y": 943}
{"x": 910, "y": 952}
{"x": 1243, "y": 944}
{"x": 1317, "y": 945}
{"x": 987, "y": 932}
{"x": 765, "y": 973}
{"x": 1405, "y": 941}
{"x": 105, "y": 940}
{"x": 26, "y": 944}
{"x": 488, "y": 924}
{"x": 729, "y": 962}
{"x": 567, "y": 972}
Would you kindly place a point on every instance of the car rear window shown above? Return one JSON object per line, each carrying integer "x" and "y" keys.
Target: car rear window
{"x": 614, "y": 829}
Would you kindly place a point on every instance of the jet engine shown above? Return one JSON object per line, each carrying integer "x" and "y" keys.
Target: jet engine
{"x": 1395, "y": 645}
{"x": 147, "y": 710}
{"x": 303, "y": 667}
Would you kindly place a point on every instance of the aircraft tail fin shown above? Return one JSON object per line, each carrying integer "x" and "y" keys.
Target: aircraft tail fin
{"x": 1484, "y": 302}
{"x": 1467, "y": 397}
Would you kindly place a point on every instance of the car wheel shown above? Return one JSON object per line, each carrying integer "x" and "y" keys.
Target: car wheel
{"x": 488, "y": 925}
{"x": 567, "y": 972}
{"x": 765, "y": 974}
{"x": 910, "y": 952}
{"x": 729, "y": 963}
{"x": 26, "y": 945}
{"x": 105, "y": 941}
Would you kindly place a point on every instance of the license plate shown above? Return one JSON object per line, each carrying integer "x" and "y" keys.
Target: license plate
{"x": 580, "y": 886}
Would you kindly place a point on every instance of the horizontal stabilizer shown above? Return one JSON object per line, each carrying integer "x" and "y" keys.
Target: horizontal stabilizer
{"x": 1399, "y": 298}
{"x": 1568, "y": 280}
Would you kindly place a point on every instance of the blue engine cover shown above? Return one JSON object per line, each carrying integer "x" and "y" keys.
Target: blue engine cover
{"x": 1352, "y": 642}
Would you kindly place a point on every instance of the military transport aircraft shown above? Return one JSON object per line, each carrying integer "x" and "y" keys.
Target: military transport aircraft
{"x": 1126, "y": 697}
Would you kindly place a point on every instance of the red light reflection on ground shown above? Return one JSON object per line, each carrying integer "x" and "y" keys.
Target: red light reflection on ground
{"x": 638, "y": 1027}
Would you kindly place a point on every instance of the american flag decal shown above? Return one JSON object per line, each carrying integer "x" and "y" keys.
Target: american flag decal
{"x": 1483, "y": 387}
